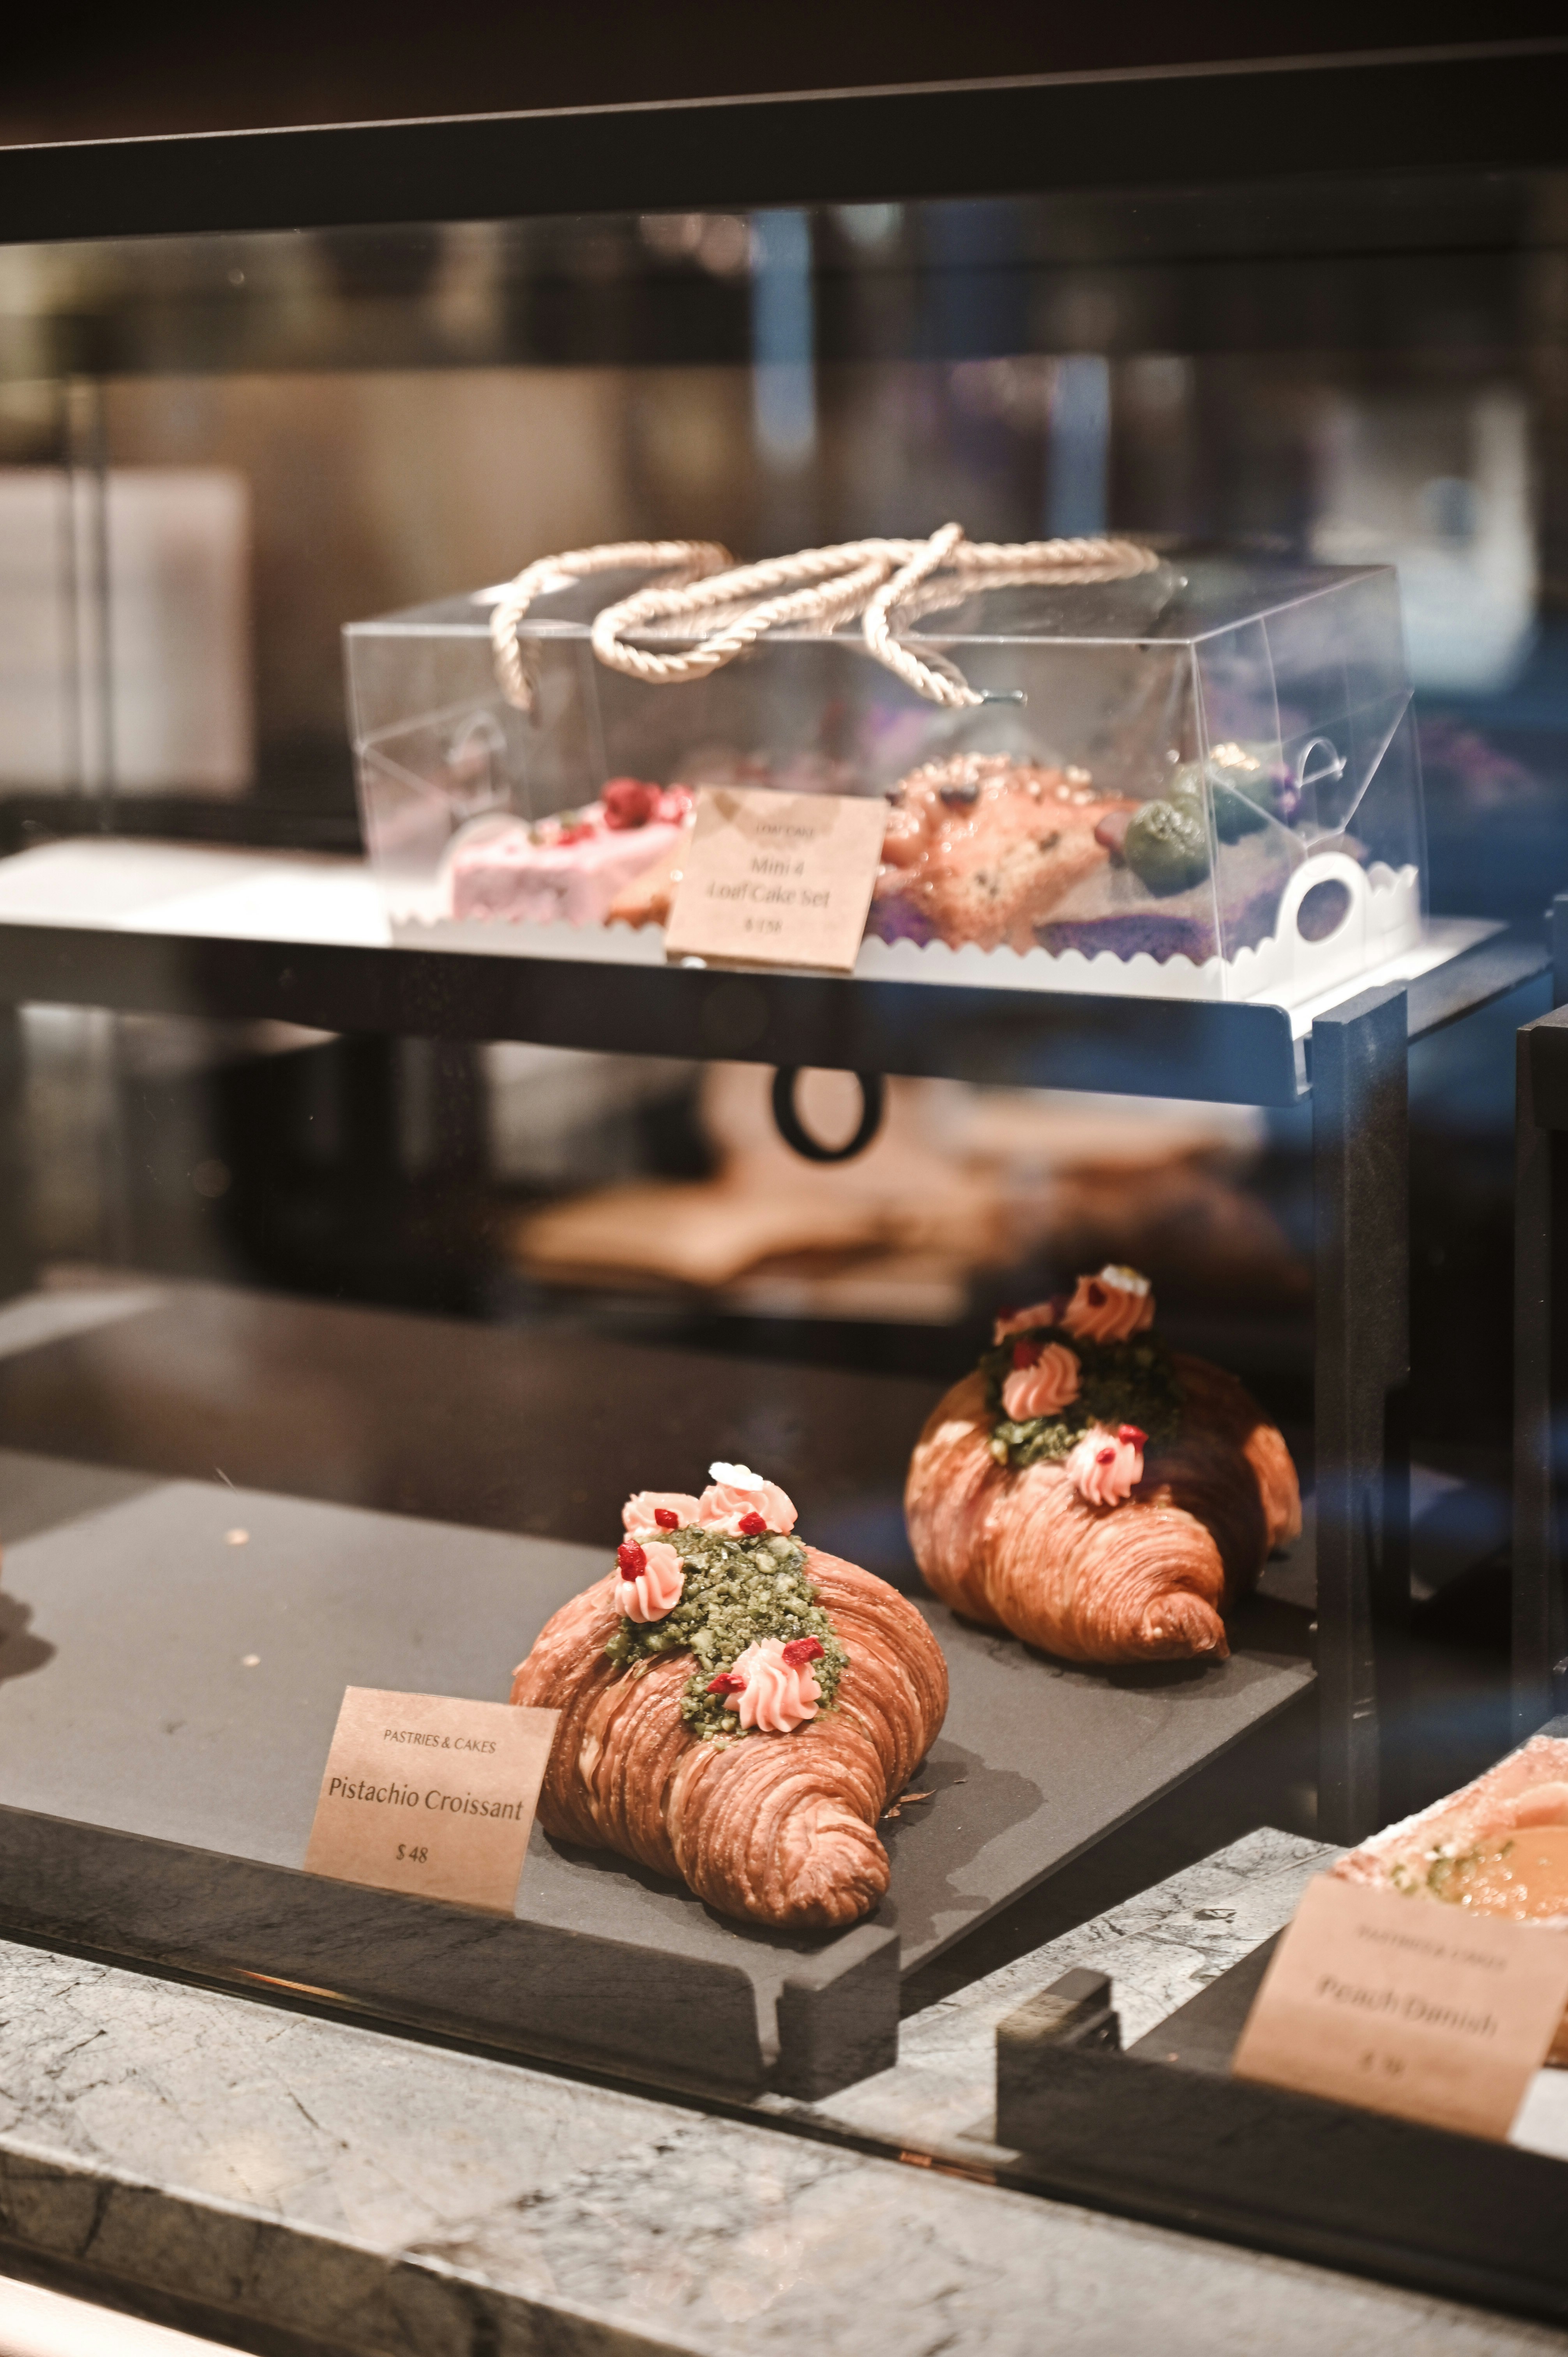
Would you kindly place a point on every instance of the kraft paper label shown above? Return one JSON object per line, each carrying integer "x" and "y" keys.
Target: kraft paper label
{"x": 1408, "y": 2006}
{"x": 776, "y": 879}
{"x": 428, "y": 1793}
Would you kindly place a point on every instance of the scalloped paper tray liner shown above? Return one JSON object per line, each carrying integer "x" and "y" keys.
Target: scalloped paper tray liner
{"x": 1381, "y": 938}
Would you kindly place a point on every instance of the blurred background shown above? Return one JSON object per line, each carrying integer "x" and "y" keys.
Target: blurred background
{"x": 215, "y": 452}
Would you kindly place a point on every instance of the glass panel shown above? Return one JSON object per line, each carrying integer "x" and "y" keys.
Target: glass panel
{"x": 468, "y": 1292}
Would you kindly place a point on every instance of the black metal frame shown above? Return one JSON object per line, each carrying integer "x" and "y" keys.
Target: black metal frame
{"x": 1473, "y": 106}
{"x": 1362, "y": 1203}
{"x": 1540, "y": 1170}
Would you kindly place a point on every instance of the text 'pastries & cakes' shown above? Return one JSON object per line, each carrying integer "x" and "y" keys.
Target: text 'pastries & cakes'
{"x": 1097, "y": 1494}
{"x": 738, "y": 1709}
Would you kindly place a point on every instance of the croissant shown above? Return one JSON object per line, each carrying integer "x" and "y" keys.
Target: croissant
{"x": 777, "y": 1825}
{"x": 1076, "y": 1531}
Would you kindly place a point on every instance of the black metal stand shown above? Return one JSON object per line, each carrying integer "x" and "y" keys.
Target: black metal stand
{"x": 1361, "y": 1201}
{"x": 1541, "y": 1112}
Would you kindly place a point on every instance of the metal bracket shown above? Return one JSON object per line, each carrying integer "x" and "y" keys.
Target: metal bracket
{"x": 792, "y": 1130}
{"x": 1360, "y": 1134}
{"x": 1540, "y": 1111}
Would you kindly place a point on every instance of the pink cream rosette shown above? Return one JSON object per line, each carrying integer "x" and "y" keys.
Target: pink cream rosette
{"x": 735, "y": 1496}
{"x": 778, "y": 1695}
{"x": 1025, "y": 1321}
{"x": 1043, "y": 1383}
{"x": 1106, "y": 1466}
{"x": 650, "y": 1581}
{"x": 642, "y": 1509}
{"x": 1110, "y": 1307}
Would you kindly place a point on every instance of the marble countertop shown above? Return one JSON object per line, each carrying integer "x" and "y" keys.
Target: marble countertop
{"x": 372, "y": 2193}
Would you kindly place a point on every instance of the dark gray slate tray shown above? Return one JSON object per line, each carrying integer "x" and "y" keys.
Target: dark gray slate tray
{"x": 156, "y": 1783}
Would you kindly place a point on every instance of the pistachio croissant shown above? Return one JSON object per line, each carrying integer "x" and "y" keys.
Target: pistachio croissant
{"x": 1109, "y": 1546}
{"x": 779, "y": 1827}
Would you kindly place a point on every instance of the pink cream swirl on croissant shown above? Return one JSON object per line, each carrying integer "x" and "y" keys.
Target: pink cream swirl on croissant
{"x": 770, "y": 1692}
{"x": 736, "y": 1500}
{"x": 662, "y": 1510}
{"x": 1107, "y": 1467}
{"x": 652, "y": 1579}
{"x": 1110, "y": 1307}
{"x": 1046, "y": 1381}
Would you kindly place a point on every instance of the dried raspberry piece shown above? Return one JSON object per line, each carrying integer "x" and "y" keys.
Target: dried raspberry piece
{"x": 752, "y": 1527}
{"x": 1130, "y": 1433}
{"x": 667, "y": 1518}
{"x": 1105, "y": 1457}
{"x": 726, "y": 1683}
{"x": 580, "y": 832}
{"x": 1026, "y": 1354}
{"x": 630, "y": 1558}
{"x": 802, "y": 1650}
{"x": 628, "y": 804}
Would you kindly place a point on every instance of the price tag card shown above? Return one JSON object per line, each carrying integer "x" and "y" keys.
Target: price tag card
{"x": 427, "y": 1793}
{"x": 776, "y": 879}
{"x": 1404, "y": 2005}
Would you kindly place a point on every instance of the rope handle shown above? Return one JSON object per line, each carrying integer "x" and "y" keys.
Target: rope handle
{"x": 818, "y": 586}
{"x": 685, "y": 559}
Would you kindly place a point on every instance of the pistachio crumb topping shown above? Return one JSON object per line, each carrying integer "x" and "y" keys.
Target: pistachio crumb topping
{"x": 1443, "y": 1873}
{"x": 1119, "y": 1383}
{"x": 736, "y": 1591}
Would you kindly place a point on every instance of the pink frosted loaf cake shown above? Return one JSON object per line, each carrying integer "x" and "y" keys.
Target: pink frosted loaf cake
{"x": 568, "y": 869}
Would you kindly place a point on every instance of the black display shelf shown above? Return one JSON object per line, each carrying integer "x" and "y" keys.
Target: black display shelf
{"x": 1475, "y": 106}
{"x": 201, "y": 1683}
{"x": 1233, "y": 1052}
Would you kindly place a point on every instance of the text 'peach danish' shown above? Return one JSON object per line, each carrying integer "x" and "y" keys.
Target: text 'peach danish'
{"x": 737, "y": 1709}
{"x": 1101, "y": 1496}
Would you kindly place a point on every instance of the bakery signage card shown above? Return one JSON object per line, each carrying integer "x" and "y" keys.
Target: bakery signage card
{"x": 428, "y": 1793}
{"x": 776, "y": 879}
{"x": 1403, "y": 2005}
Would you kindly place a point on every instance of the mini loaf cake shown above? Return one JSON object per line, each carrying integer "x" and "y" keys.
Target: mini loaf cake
{"x": 980, "y": 849}
{"x": 568, "y": 869}
{"x": 1004, "y": 853}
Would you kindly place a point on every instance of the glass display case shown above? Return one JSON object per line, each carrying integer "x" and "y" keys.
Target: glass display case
{"x": 963, "y": 1438}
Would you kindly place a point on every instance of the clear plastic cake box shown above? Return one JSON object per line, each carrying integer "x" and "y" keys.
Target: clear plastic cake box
{"x": 1240, "y": 734}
